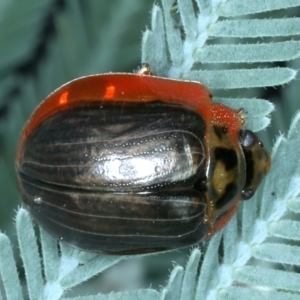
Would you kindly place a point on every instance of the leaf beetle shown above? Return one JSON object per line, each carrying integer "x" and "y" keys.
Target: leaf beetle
{"x": 132, "y": 163}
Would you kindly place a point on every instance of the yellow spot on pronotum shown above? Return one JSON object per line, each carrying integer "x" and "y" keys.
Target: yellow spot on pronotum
{"x": 110, "y": 92}
{"x": 63, "y": 99}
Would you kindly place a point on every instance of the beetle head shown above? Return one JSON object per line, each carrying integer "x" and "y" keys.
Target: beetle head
{"x": 257, "y": 159}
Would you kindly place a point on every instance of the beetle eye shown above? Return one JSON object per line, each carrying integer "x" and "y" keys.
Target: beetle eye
{"x": 247, "y": 194}
{"x": 248, "y": 138}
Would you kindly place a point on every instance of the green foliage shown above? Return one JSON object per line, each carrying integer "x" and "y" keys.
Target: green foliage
{"x": 216, "y": 42}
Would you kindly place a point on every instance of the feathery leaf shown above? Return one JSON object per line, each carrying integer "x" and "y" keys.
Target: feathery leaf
{"x": 183, "y": 42}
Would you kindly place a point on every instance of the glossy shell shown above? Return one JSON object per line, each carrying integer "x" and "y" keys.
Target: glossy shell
{"x": 129, "y": 163}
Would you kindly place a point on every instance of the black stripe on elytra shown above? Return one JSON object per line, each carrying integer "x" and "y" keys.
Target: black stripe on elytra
{"x": 227, "y": 156}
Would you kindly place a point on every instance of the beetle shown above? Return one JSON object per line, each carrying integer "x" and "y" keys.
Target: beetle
{"x": 130, "y": 163}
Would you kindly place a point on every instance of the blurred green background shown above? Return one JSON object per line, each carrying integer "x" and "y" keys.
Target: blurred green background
{"x": 44, "y": 44}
